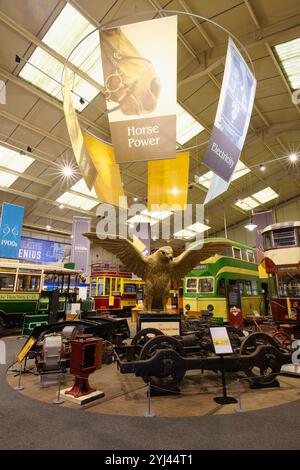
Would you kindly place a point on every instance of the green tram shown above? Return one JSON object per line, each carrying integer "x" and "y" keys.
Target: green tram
{"x": 26, "y": 290}
{"x": 207, "y": 286}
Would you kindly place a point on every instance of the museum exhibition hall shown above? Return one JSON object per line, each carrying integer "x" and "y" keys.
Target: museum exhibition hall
{"x": 149, "y": 227}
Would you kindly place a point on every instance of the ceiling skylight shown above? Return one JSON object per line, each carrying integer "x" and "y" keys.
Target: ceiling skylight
{"x": 160, "y": 215}
{"x": 6, "y": 179}
{"x": 141, "y": 219}
{"x": 64, "y": 34}
{"x": 186, "y": 126}
{"x": 79, "y": 202}
{"x": 247, "y": 203}
{"x": 240, "y": 170}
{"x": 198, "y": 227}
{"x": 188, "y": 234}
{"x": 81, "y": 187}
{"x": 265, "y": 195}
{"x": 289, "y": 57}
{"x": 13, "y": 160}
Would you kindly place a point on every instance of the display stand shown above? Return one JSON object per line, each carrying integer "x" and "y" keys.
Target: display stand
{"x": 225, "y": 399}
{"x": 222, "y": 345}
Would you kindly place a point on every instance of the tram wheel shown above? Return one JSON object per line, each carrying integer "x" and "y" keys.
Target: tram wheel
{"x": 142, "y": 337}
{"x": 170, "y": 373}
{"x": 265, "y": 373}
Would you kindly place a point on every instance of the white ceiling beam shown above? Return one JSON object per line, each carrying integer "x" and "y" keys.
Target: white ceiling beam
{"x": 198, "y": 25}
{"x": 25, "y": 176}
{"x": 48, "y": 99}
{"x": 252, "y": 13}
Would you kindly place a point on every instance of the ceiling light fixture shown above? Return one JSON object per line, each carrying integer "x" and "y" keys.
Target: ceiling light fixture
{"x": 262, "y": 167}
{"x": 48, "y": 227}
{"x": 61, "y": 206}
{"x": 293, "y": 157}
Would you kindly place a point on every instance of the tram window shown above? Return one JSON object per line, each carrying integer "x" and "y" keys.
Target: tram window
{"x": 100, "y": 286}
{"x": 248, "y": 288}
{"x": 118, "y": 289}
{"x": 241, "y": 287}
{"x": 289, "y": 285}
{"x": 107, "y": 286}
{"x": 267, "y": 238}
{"x": 285, "y": 237}
{"x": 7, "y": 281}
{"x": 129, "y": 288}
{"x": 28, "y": 283}
{"x": 244, "y": 255}
{"x": 237, "y": 253}
{"x": 254, "y": 287}
{"x": 221, "y": 287}
{"x": 205, "y": 284}
{"x": 113, "y": 284}
{"x": 251, "y": 257}
{"x": 191, "y": 284}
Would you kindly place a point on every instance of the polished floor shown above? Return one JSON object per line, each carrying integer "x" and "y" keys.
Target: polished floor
{"x": 28, "y": 423}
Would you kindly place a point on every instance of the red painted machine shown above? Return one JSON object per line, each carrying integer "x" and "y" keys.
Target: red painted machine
{"x": 86, "y": 357}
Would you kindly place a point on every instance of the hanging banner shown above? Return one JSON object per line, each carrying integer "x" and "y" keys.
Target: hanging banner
{"x": 168, "y": 181}
{"x": 232, "y": 118}
{"x": 108, "y": 184}
{"x": 10, "y": 230}
{"x": 139, "y": 64}
{"x": 84, "y": 161}
{"x": 38, "y": 250}
{"x": 80, "y": 254}
{"x": 262, "y": 220}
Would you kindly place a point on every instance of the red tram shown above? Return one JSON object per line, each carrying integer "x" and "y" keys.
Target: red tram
{"x": 114, "y": 291}
{"x": 282, "y": 263}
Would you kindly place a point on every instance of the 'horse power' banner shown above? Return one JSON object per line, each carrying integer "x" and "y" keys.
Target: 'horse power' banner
{"x": 139, "y": 64}
{"x": 231, "y": 122}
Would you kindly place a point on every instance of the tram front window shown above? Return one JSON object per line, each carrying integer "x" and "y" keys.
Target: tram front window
{"x": 289, "y": 285}
{"x": 206, "y": 285}
{"x": 129, "y": 288}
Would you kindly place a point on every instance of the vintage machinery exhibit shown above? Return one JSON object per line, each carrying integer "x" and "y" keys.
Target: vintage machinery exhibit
{"x": 51, "y": 345}
{"x": 163, "y": 360}
{"x": 209, "y": 283}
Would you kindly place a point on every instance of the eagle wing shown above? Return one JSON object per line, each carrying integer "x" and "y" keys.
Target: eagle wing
{"x": 193, "y": 256}
{"x": 124, "y": 250}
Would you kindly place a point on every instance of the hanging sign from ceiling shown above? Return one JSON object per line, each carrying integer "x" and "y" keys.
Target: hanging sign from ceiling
{"x": 232, "y": 119}
{"x": 139, "y": 64}
{"x": 10, "y": 230}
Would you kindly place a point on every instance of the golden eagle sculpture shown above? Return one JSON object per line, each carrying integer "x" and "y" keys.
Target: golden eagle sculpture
{"x": 159, "y": 268}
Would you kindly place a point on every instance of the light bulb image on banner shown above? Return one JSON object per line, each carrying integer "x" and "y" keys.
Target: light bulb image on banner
{"x": 139, "y": 64}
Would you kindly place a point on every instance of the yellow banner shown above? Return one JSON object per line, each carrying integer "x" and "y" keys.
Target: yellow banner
{"x": 108, "y": 183}
{"x": 84, "y": 161}
{"x": 168, "y": 181}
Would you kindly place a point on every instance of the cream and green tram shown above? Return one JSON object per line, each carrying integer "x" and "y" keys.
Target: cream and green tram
{"x": 207, "y": 286}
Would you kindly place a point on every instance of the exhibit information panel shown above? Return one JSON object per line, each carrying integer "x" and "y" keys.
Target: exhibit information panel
{"x": 221, "y": 341}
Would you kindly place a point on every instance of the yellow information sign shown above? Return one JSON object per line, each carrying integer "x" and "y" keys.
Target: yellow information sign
{"x": 19, "y": 296}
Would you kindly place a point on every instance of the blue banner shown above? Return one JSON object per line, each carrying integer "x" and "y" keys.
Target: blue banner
{"x": 10, "y": 230}
{"x": 43, "y": 251}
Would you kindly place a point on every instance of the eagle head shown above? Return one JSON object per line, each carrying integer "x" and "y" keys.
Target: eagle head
{"x": 165, "y": 253}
